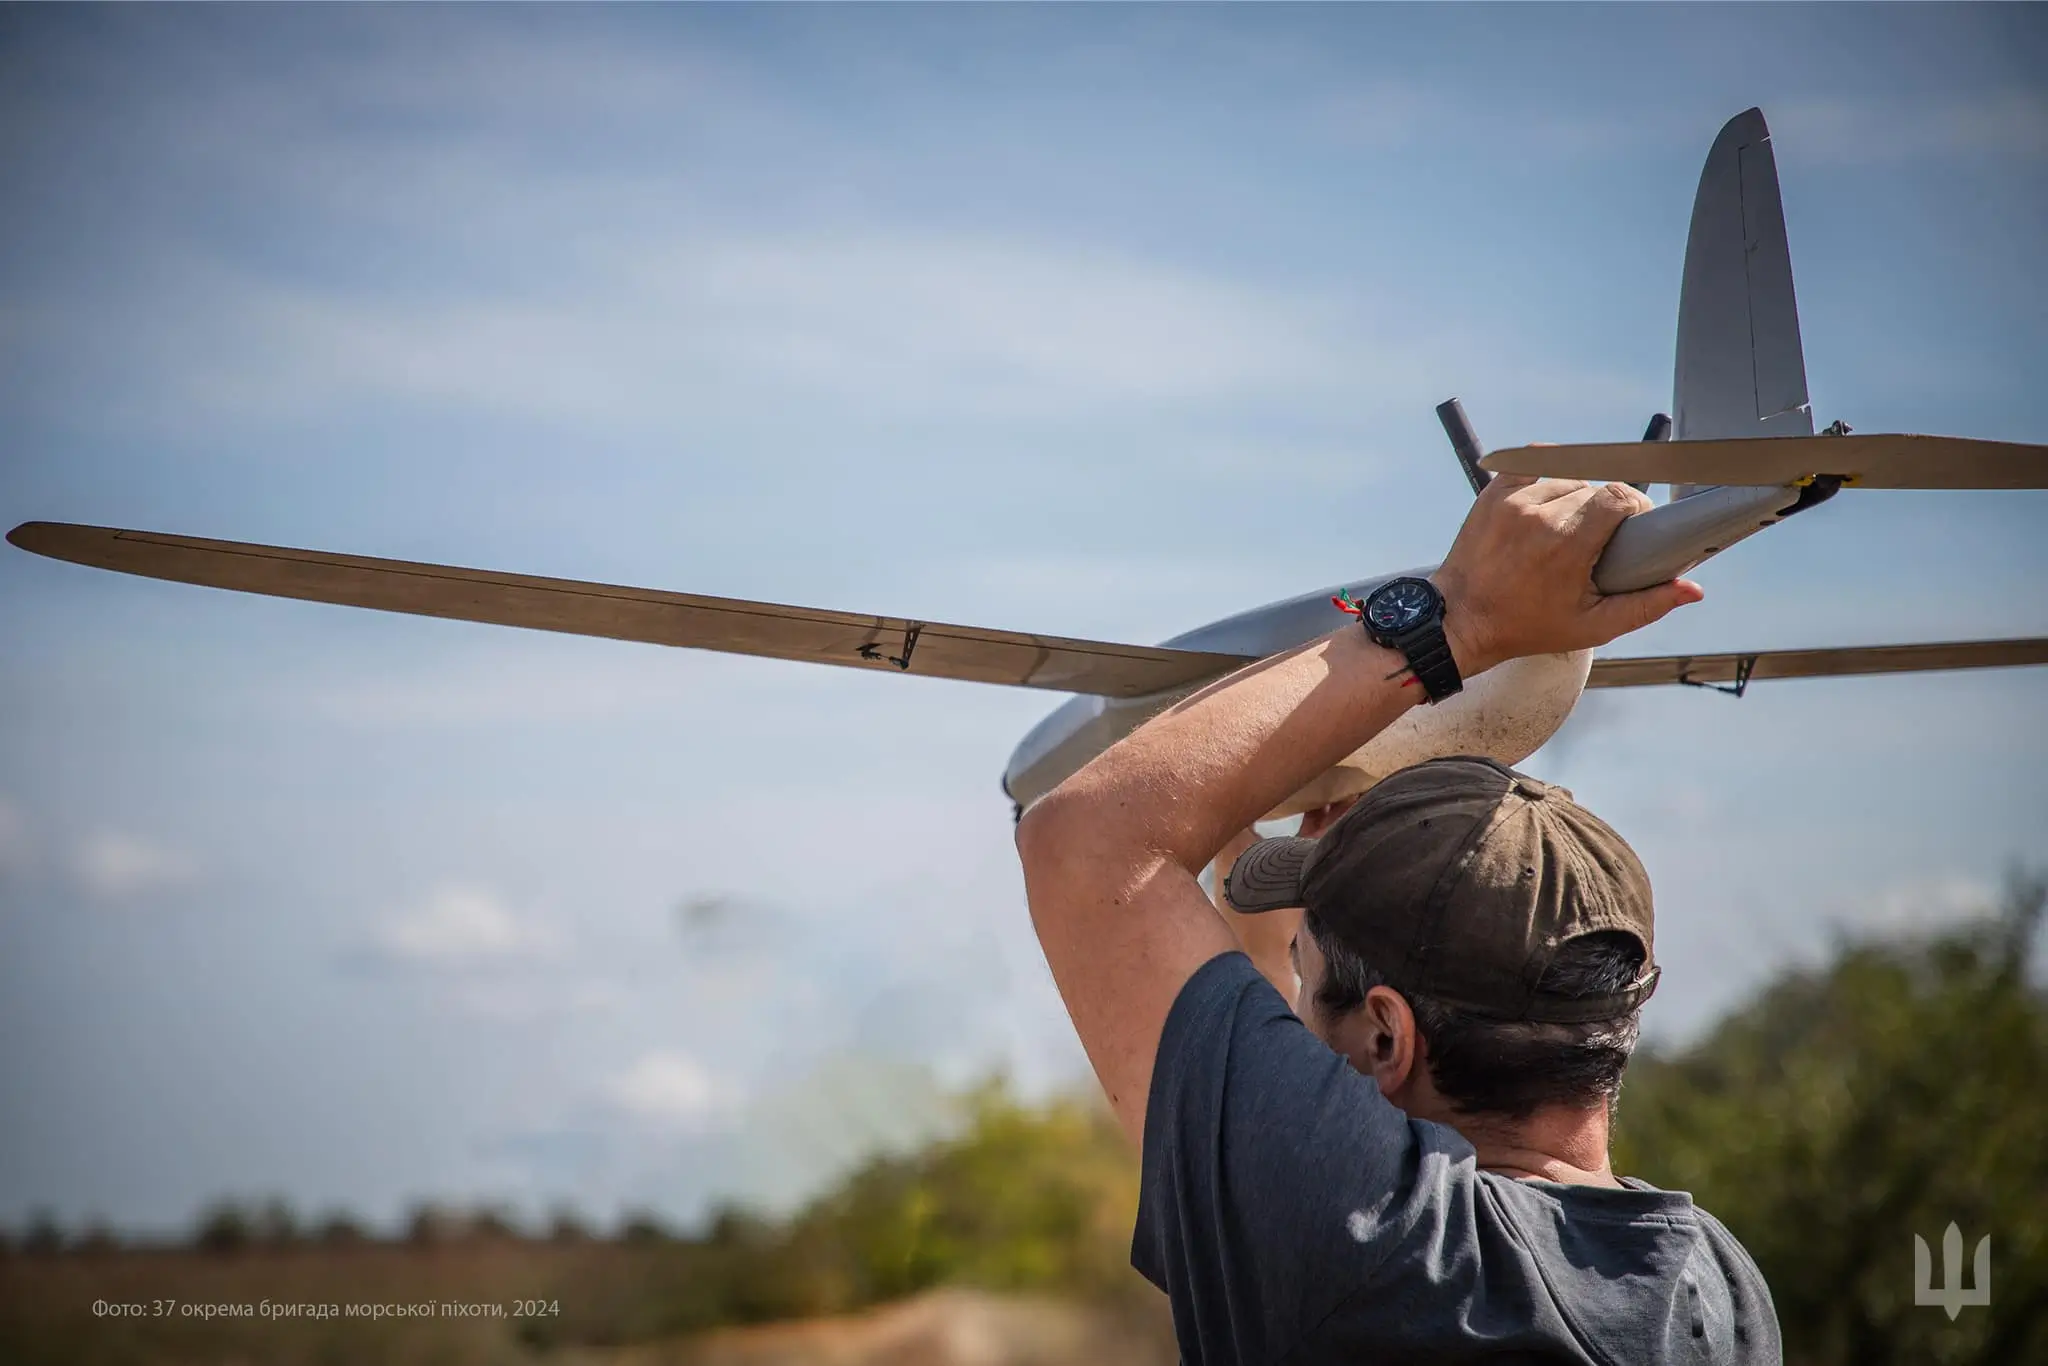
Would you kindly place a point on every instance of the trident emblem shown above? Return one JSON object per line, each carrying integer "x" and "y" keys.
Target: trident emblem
{"x": 1951, "y": 1296}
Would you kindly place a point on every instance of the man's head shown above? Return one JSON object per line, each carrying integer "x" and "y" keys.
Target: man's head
{"x": 1473, "y": 939}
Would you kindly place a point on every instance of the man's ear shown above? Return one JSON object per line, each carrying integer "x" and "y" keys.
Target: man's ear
{"x": 1389, "y": 1047}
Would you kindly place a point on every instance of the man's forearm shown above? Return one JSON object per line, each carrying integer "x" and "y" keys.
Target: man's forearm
{"x": 1110, "y": 856}
{"x": 1182, "y": 784}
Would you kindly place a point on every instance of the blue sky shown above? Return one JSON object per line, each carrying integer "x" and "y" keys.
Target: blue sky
{"x": 1099, "y": 321}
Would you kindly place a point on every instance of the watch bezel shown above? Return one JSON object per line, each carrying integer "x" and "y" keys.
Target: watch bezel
{"x": 1434, "y": 613}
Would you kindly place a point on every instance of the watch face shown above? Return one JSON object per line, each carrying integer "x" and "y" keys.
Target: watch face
{"x": 1399, "y": 606}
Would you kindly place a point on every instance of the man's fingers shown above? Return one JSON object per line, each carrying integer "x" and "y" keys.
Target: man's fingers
{"x": 1612, "y": 504}
{"x": 1570, "y": 510}
{"x": 1314, "y": 823}
{"x": 1621, "y": 613}
{"x": 1601, "y": 507}
{"x": 1549, "y": 490}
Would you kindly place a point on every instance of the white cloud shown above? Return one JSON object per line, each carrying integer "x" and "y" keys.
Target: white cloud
{"x": 527, "y": 1001}
{"x": 531, "y": 679}
{"x": 670, "y": 1090}
{"x": 458, "y": 927}
{"x": 502, "y": 684}
{"x": 2010, "y": 123}
{"x": 1384, "y": 114}
{"x": 118, "y": 867}
{"x": 1401, "y": 114}
{"x": 670, "y": 339}
{"x": 661, "y": 332}
{"x": 1920, "y": 904}
{"x": 1008, "y": 320}
{"x": 607, "y": 298}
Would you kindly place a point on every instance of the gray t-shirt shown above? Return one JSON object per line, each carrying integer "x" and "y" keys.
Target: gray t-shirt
{"x": 1293, "y": 1215}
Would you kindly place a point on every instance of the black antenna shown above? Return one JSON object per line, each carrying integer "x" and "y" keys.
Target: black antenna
{"x": 1658, "y": 430}
{"x": 1464, "y": 441}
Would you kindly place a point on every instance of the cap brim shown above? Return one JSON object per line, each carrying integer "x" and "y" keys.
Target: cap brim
{"x": 1267, "y": 876}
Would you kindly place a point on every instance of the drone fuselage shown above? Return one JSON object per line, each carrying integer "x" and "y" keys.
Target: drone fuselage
{"x": 1506, "y": 713}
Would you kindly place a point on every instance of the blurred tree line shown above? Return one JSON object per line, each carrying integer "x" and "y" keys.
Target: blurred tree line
{"x": 1898, "y": 1087}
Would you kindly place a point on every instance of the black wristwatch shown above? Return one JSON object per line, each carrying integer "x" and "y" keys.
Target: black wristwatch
{"x": 1408, "y": 615}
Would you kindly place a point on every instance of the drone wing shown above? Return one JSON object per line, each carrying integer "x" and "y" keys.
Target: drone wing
{"x": 1736, "y": 671}
{"x": 1882, "y": 461}
{"x": 732, "y": 625}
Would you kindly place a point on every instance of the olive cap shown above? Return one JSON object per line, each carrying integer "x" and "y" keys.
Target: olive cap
{"x": 1460, "y": 879}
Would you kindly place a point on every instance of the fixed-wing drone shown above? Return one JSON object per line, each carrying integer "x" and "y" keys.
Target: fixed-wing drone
{"x": 1739, "y": 451}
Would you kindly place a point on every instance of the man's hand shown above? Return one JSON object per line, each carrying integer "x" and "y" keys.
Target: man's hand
{"x": 1265, "y": 939}
{"x": 1314, "y": 823}
{"x": 1510, "y": 590}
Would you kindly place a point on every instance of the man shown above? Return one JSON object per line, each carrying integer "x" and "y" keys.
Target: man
{"x": 1415, "y": 1168}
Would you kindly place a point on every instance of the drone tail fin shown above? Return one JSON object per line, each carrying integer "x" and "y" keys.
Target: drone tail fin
{"x": 1741, "y": 370}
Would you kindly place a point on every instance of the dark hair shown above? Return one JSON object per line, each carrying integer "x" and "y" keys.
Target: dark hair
{"x": 1511, "y": 1068}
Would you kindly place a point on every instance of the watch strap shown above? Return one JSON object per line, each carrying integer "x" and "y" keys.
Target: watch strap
{"x": 1428, "y": 652}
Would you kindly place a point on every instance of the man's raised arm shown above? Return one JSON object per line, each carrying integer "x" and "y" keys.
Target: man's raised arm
{"x": 1111, "y": 856}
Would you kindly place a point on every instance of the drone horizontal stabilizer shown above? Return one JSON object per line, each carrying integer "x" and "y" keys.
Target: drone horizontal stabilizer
{"x": 731, "y": 625}
{"x": 1734, "y": 672}
{"x": 1881, "y": 461}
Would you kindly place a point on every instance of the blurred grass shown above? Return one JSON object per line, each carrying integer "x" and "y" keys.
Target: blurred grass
{"x": 1029, "y": 1198}
{"x": 1848, "y": 1107}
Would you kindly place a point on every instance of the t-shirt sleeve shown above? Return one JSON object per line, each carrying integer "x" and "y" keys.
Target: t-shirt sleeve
{"x": 1269, "y": 1166}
